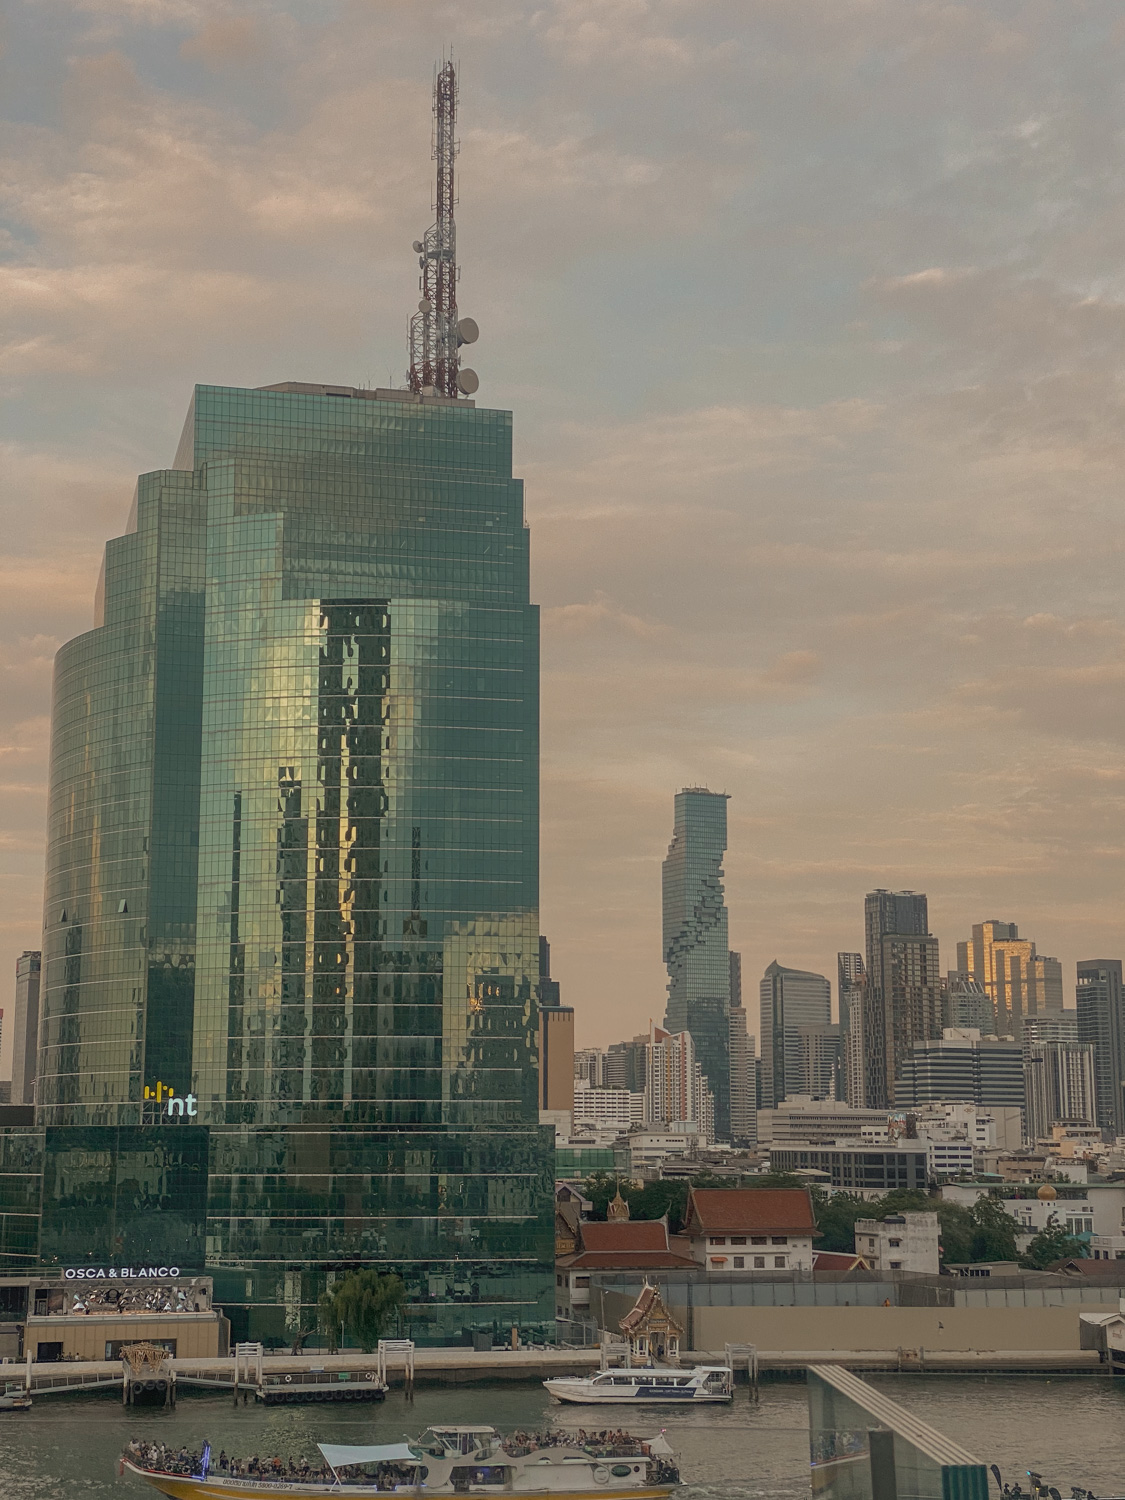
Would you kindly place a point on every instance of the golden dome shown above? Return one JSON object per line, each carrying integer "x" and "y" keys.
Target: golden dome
{"x": 1046, "y": 1193}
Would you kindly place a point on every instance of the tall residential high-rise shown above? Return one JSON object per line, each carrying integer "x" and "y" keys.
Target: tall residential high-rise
{"x": 676, "y": 1090}
{"x": 696, "y": 949}
{"x": 861, "y": 1033}
{"x": 903, "y": 978}
{"x": 790, "y": 999}
{"x": 743, "y": 1081}
{"x": 1100, "y": 1008}
{"x": 291, "y": 948}
{"x": 1018, "y": 981}
{"x": 25, "y": 1028}
{"x": 1059, "y": 1074}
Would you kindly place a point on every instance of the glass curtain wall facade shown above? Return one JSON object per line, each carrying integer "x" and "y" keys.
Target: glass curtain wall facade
{"x": 696, "y": 949}
{"x": 293, "y": 868}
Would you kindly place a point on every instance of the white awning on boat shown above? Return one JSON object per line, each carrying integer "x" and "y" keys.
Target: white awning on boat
{"x": 338, "y": 1457}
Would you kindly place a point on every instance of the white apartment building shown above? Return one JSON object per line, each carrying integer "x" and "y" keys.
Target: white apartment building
{"x": 900, "y": 1242}
{"x": 606, "y": 1107}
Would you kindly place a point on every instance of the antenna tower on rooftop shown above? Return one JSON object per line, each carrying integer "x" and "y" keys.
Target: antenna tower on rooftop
{"x": 436, "y": 332}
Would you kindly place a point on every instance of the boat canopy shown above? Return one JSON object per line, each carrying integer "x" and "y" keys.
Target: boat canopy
{"x": 337, "y": 1457}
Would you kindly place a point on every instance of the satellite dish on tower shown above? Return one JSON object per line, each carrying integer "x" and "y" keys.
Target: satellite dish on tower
{"x": 467, "y": 382}
{"x": 417, "y": 247}
{"x": 424, "y": 306}
{"x": 467, "y": 331}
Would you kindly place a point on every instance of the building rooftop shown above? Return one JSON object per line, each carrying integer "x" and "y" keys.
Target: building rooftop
{"x": 749, "y": 1210}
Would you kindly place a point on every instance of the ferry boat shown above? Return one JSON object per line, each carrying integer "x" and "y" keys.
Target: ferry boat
{"x": 458, "y": 1460}
{"x": 14, "y": 1397}
{"x": 642, "y": 1387}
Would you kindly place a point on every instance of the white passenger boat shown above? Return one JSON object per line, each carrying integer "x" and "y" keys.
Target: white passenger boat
{"x": 443, "y": 1461}
{"x": 14, "y": 1397}
{"x": 643, "y": 1387}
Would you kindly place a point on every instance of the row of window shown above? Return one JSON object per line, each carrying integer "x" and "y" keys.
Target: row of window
{"x": 754, "y": 1239}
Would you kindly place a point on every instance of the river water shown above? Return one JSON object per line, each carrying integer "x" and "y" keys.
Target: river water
{"x": 1072, "y": 1430}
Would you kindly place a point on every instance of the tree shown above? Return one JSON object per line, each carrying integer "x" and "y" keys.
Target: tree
{"x": 994, "y": 1230}
{"x": 362, "y": 1304}
{"x": 1052, "y": 1243}
{"x": 835, "y": 1219}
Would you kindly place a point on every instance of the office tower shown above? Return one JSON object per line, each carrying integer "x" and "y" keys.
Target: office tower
{"x": 549, "y": 993}
{"x": 556, "y": 1039}
{"x": 1100, "y": 1005}
{"x": 820, "y": 1051}
{"x": 1059, "y": 1074}
{"x": 965, "y": 1003}
{"x": 903, "y": 978}
{"x": 308, "y": 714}
{"x": 736, "y": 978}
{"x": 961, "y": 1065}
{"x": 676, "y": 1089}
{"x": 589, "y": 1065}
{"x": 743, "y": 1081}
{"x": 1018, "y": 981}
{"x": 695, "y": 938}
{"x": 25, "y": 1026}
{"x": 624, "y": 1064}
{"x": 790, "y": 999}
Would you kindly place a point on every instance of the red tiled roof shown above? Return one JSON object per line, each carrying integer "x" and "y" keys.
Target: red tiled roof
{"x": 629, "y": 1244}
{"x": 749, "y": 1210}
{"x": 626, "y": 1260}
{"x": 625, "y": 1234}
{"x": 838, "y": 1260}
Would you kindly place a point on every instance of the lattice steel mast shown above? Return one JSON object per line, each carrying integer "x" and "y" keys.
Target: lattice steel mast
{"x": 436, "y": 332}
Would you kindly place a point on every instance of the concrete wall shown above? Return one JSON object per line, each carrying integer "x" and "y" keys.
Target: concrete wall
{"x": 793, "y": 1329}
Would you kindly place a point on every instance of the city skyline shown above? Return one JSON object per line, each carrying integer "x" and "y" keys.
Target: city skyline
{"x": 768, "y": 506}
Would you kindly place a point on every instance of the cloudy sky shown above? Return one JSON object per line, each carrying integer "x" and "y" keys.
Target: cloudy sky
{"x": 811, "y": 313}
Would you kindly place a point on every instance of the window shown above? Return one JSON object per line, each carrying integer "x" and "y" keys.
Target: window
{"x": 757, "y": 1239}
{"x": 894, "y": 1244}
{"x": 738, "y": 1239}
{"x": 779, "y": 1262}
{"x": 558, "y": 1281}
{"x": 718, "y": 1239}
{"x": 740, "y": 1262}
{"x": 896, "y": 1265}
{"x": 759, "y": 1262}
{"x": 718, "y": 1261}
{"x": 779, "y": 1239}
{"x": 581, "y": 1281}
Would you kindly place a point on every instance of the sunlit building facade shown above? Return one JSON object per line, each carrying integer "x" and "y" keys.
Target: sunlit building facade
{"x": 292, "y": 872}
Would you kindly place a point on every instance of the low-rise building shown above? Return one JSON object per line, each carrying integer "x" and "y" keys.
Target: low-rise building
{"x": 802, "y": 1118}
{"x": 750, "y": 1229}
{"x": 641, "y": 1245}
{"x": 869, "y": 1171}
{"x": 900, "y": 1242}
{"x": 602, "y": 1107}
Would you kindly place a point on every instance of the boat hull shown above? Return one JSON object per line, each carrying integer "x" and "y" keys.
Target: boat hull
{"x": 215, "y": 1487}
{"x": 576, "y": 1396}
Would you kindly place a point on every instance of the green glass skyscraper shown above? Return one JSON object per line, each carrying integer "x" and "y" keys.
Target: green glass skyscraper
{"x": 696, "y": 946}
{"x": 292, "y": 874}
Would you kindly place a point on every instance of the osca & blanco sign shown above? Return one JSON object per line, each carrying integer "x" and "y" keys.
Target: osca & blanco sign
{"x": 122, "y": 1273}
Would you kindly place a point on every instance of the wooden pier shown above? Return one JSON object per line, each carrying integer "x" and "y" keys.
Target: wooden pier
{"x": 352, "y": 1376}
